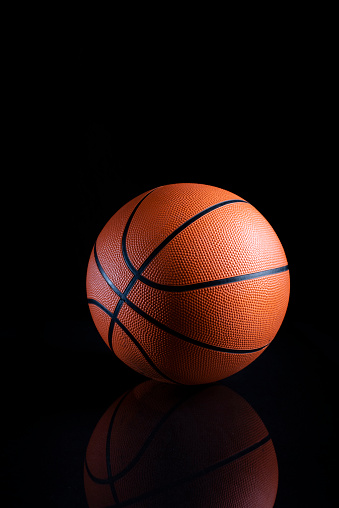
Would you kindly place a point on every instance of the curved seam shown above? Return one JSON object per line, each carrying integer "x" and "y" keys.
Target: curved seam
{"x": 173, "y": 332}
{"x": 143, "y": 352}
{"x": 183, "y": 337}
{"x": 104, "y": 275}
{"x": 128, "y": 333}
{"x": 170, "y": 237}
{"x": 211, "y": 283}
{"x": 124, "y": 236}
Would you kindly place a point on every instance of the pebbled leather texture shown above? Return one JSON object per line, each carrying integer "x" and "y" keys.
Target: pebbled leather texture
{"x": 185, "y": 235}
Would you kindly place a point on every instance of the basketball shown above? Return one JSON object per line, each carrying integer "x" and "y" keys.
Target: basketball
{"x": 162, "y": 445}
{"x": 188, "y": 283}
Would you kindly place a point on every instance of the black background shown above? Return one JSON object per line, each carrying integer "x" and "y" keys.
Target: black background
{"x": 94, "y": 127}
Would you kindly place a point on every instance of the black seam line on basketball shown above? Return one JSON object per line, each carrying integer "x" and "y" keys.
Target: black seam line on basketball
{"x": 123, "y": 327}
{"x": 98, "y": 304}
{"x": 179, "y": 335}
{"x": 124, "y": 235}
{"x": 142, "y": 351}
{"x": 170, "y": 236}
{"x": 94, "y": 479}
{"x": 194, "y": 476}
{"x": 213, "y": 283}
{"x": 175, "y": 333}
{"x": 110, "y": 314}
{"x": 110, "y": 283}
{"x": 116, "y": 290}
{"x": 117, "y": 310}
{"x": 103, "y": 273}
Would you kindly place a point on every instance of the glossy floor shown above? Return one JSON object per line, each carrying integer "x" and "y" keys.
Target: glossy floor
{"x": 87, "y": 431}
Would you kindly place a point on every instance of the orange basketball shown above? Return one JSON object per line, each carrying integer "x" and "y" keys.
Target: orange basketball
{"x": 162, "y": 445}
{"x": 188, "y": 283}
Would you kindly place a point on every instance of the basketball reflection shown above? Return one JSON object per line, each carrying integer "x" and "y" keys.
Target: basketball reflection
{"x": 161, "y": 445}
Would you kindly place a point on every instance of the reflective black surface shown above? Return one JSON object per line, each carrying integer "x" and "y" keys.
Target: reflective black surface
{"x": 81, "y": 160}
{"x": 162, "y": 445}
{"x": 168, "y": 438}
